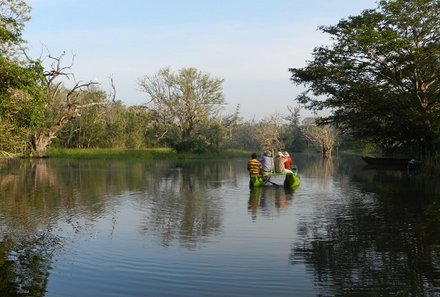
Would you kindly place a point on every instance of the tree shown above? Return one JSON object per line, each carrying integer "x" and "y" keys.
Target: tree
{"x": 21, "y": 103}
{"x": 22, "y": 85}
{"x": 14, "y": 14}
{"x": 62, "y": 104}
{"x": 380, "y": 77}
{"x": 231, "y": 122}
{"x": 181, "y": 101}
{"x": 323, "y": 137}
{"x": 244, "y": 136}
{"x": 116, "y": 120}
{"x": 34, "y": 103}
{"x": 292, "y": 135}
{"x": 268, "y": 133}
{"x": 90, "y": 129}
{"x": 138, "y": 127}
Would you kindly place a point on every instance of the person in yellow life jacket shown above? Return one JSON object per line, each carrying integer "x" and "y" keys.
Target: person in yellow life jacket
{"x": 254, "y": 166}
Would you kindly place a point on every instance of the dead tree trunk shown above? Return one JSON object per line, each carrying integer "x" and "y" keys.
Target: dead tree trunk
{"x": 40, "y": 142}
{"x": 67, "y": 111}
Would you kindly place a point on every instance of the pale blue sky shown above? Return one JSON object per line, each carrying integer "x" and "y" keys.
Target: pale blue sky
{"x": 250, "y": 44}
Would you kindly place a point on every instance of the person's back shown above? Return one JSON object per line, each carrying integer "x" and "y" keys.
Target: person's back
{"x": 254, "y": 166}
{"x": 266, "y": 162}
{"x": 288, "y": 162}
{"x": 279, "y": 163}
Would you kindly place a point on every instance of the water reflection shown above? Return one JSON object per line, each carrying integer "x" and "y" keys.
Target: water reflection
{"x": 269, "y": 199}
{"x": 322, "y": 168}
{"x": 180, "y": 206}
{"x": 356, "y": 232}
{"x": 382, "y": 238}
{"x": 41, "y": 201}
{"x": 36, "y": 193}
{"x": 25, "y": 263}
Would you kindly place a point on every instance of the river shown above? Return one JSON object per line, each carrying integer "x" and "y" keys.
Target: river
{"x": 78, "y": 228}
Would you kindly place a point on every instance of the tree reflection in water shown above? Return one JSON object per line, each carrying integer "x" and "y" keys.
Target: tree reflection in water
{"x": 39, "y": 195}
{"x": 380, "y": 229}
{"x": 180, "y": 207}
{"x": 26, "y": 241}
{"x": 385, "y": 238}
{"x": 25, "y": 264}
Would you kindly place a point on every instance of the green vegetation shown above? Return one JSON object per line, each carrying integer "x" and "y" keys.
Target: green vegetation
{"x": 21, "y": 82}
{"x": 144, "y": 154}
{"x": 39, "y": 112}
{"x": 379, "y": 79}
{"x": 182, "y": 102}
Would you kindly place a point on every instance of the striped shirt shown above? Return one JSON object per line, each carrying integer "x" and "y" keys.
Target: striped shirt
{"x": 254, "y": 167}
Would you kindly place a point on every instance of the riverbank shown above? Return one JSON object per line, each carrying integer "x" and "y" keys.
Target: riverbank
{"x": 144, "y": 154}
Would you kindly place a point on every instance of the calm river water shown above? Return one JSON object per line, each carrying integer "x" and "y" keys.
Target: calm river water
{"x": 94, "y": 228}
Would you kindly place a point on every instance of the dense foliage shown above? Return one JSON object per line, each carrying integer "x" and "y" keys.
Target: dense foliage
{"x": 380, "y": 77}
{"x": 182, "y": 102}
{"x": 38, "y": 110}
{"x": 21, "y": 81}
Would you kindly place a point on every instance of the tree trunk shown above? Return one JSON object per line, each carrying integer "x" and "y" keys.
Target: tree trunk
{"x": 40, "y": 143}
{"x": 326, "y": 151}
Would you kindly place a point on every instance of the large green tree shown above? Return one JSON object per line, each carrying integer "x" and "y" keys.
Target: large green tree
{"x": 380, "y": 76}
{"x": 22, "y": 84}
{"x": 35, "y": 104}
{"x": 14, "y": 14}
{"x": 181, "y": 101}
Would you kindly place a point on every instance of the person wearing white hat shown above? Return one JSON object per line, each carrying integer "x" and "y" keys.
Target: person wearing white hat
{"x": 288, "y": 162}
{"x": 266, "y": 162}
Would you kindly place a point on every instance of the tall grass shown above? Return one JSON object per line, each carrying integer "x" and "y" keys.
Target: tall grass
{"x": 144, "y": 154}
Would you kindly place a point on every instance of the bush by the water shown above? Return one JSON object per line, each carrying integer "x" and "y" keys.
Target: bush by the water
{"x": 195, "y": 146}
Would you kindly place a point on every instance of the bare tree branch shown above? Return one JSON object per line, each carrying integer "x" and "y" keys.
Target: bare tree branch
{"x": 112, "y": 83}
{"x": 60, "y": 100}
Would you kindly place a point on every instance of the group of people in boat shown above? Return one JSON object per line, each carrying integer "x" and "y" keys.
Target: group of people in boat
{"x": 266, "y": 165}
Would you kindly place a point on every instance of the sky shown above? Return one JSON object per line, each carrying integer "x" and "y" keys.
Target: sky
{"x": 250, "y": 44}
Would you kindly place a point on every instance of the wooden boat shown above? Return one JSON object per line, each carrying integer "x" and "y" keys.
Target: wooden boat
{"x": 291, "y": 180}
{"x": 383, "y": 161}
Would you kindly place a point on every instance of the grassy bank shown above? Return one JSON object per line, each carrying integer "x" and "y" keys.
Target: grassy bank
{"x": 144, "y": 154}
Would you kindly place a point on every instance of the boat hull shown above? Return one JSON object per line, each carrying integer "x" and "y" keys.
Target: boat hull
{"x": 256, "y": 181}
{"x": 377, "y": 161}
{"x": 291, "y": 181}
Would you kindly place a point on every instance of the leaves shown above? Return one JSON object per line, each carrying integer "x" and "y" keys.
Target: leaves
{"x": 13, "y": 16}
{"x": 184, "y": 99}
{"x": 380, "y": 77}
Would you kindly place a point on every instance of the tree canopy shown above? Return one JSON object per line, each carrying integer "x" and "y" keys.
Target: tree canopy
{"x": 21, "y": 80}
{"x": 380, "y": 76}
{"x": 13, "y": 16}
{"x": 183, "y": 100}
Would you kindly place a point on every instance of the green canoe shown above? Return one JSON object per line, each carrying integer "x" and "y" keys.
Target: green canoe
{"x": 291, "y": 180}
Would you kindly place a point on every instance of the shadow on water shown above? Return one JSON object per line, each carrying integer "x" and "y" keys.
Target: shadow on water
{"x": 378, "y": 235}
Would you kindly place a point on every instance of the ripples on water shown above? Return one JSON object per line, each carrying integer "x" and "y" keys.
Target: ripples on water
{"x": 193, "y": 229}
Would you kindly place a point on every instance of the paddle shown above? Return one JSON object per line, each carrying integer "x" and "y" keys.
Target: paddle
{"x": 268, "y": 180}
{"x": 274, "y": 183}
